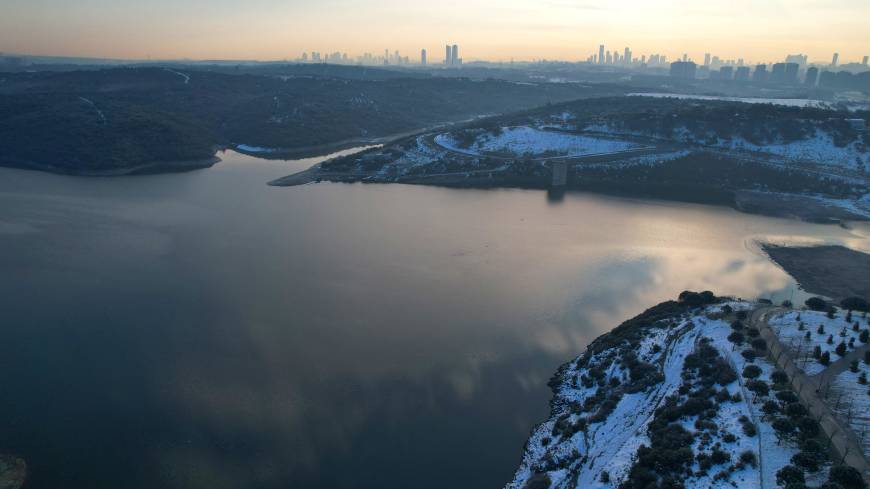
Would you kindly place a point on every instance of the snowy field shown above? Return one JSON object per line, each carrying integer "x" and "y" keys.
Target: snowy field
{"x": 792, "y": 328}
{"x": 530, "y": 141}
{"x": 851, "y": 400}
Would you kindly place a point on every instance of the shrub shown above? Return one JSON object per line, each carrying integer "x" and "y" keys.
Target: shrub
{"x": 864, "y": 336}
{"x": 605, "y": 477}
{"x": 841, "y": 349}
{"x": 759, "y": 344}
{"x": 736, "y": 337}
{"x": 853, "y": 366}
{"x": 846, "y": 476}
{"x": 748, "y": 457}
{"x": 759, "y": 387}
{"x": 825, "y": 359}
{"x": 749, "y": 354}
{"x": 753, "y": 333}
{"x": 779, "y": 377}
{"x": 719, "y": 457}
{"x": 817, "y": 352}
{"x": 749, "y": 429}
{"x": 816, "y": 303}
{"x": 751, "y": 372}
{"x": 821, "y": 329}
{"x": 789, "y": 474}
{"x": 737, "y": 325}
{"x": 770, "y": 407}
{"x": 862, "y": 379}
{"x": 783, "y": 426}
{"x": 809, "y": 427}
{"x": 538, "y": 481}
{"x": 795, "y": 410}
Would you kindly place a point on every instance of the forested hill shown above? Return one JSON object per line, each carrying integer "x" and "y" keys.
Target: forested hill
{"x": 95, "y": 120}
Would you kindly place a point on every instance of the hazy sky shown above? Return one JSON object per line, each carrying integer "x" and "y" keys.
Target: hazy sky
{"x": 759, "y": 30}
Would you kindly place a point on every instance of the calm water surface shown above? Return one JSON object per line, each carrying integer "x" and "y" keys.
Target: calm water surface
{"x": 203, "y": 330}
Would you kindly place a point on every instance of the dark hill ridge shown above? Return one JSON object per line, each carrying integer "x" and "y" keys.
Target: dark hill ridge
{"x": 115, "y": 119}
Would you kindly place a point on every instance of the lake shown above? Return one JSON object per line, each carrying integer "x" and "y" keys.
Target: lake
{"x": 204, "y": 330}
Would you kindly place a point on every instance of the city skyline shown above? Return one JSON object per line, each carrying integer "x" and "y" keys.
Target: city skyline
{"x": 495, "y": 31}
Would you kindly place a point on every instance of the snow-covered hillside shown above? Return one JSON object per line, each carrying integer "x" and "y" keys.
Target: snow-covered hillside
{"x": 673, "y": 396}
{"x": 532, "y": 141}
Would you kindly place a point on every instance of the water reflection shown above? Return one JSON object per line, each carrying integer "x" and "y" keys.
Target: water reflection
{"x": 204, "y": 330}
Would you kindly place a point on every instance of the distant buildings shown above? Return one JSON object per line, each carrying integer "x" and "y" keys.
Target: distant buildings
{"x": 799, "y": 59}
{"x": 835, "y": 60}
{"x": 684, "y": 70}
{"x": 864, "y": 61}
{"x": 601, "y": 54}
{"x": 726, "y": 73}
{"x": 742, "y": 74}
{"x": 423, "y": 57}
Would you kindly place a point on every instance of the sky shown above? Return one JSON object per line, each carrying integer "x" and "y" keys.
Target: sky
{"x": 498, "y": 30}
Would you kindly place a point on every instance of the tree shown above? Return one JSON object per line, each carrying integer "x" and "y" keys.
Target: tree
{"x": 821, "y": 329}
{"x": 759, "y": 344}
{"x": 816, "y": 303}
{"x": 841, "y": 349}
{"x": 846, "y": 476}
{"x": 751, "y": 372}
{"x": 817, "y": 352}
{"x": 855, "y": 304}
{"x": 825, "y": 359}
{"x": 864, "y": 336}
{"x": 789, "y": 475}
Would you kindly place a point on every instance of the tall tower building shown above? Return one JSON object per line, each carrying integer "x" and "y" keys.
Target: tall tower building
{"x": 447, "y": 55}
{"x": 626, "y": 58}
{"x": 454, "y": 54}
{"x": 423, "y": 57}
{"x": 601, "y": 54}
{"x": 864, "y": 62}
{"x": 812, "y": 76}
{"x": 835, "y": 60}
{"x": 707, "y": 59}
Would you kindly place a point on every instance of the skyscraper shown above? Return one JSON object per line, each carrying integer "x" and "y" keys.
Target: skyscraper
{"x": 835, "y": 59}
{"x": 812, "y": 76}
{"x": 626, "y": 59}
{"x": 423, "y": 57}
{"x": 601, "y": 54}
{"x": 742, "y": 74}
{"x": 707, "y": 59}
{"x": 683, "y": 69}
{"x": 777, "y": 73}
{"x": 791, "y": 73}
{"x": 454, "y": 55}
{"x": 760, "y": 74}
{"x": 864, "y": 62}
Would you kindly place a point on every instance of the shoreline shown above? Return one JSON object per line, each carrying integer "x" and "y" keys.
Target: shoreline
{"x": 152, "y": 168}
{"x": 829, "y": 270}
